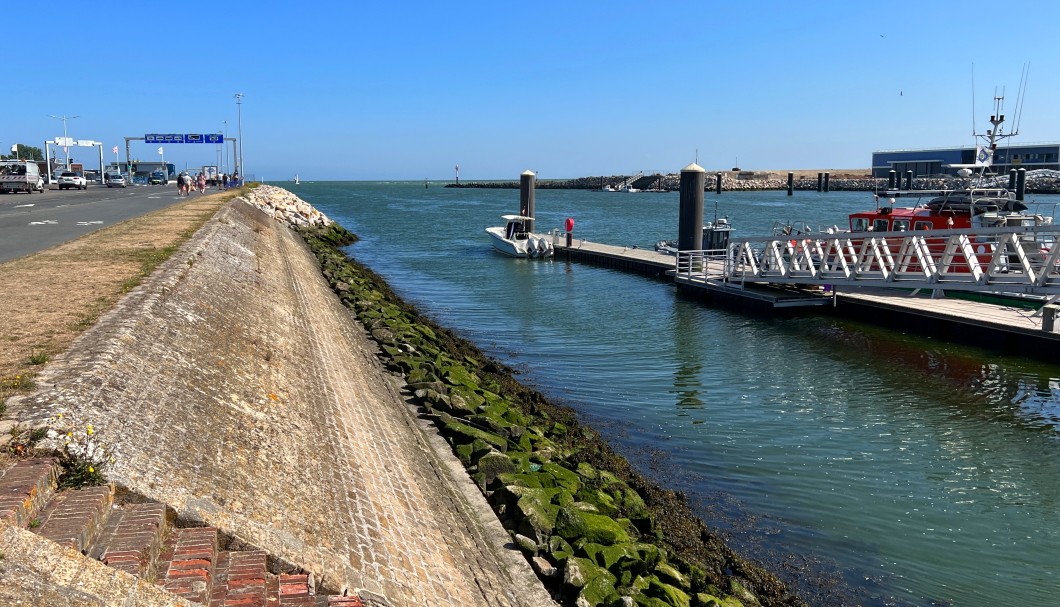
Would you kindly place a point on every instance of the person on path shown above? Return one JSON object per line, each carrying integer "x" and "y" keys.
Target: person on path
{"x": 224, "y": 180}
{"x": 202, "y": 183}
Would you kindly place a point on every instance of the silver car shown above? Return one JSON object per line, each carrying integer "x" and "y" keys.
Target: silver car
{"x": 114, "y": 180}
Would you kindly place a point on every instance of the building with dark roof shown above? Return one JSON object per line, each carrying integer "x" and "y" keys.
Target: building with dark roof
{"x": 934, "y": 161}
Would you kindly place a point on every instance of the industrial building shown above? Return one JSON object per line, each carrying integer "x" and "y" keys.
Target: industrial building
{"x": 934, "y": 161}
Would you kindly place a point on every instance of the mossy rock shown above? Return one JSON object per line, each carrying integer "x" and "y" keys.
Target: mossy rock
{"x": 464, "y": 453}
{"x": 492, "y": 464}
{"x": 495, "y": 426}
{"x": 465, "y": 400}
{"x": 704, "y": 599}
{"x": 631, "y": 502}
{"x": 643, "y": 600}
{"x": 525, "y": 544}
{"x": 578, "y": 572}
{"x": 619, "y": 557}
{"x": 535, "y": 507}
{"x": 461, "y": 433}
{"x": 740, "y": 592}
{"x": 650, "y": 554}
{"x": 597, "y": 591}
{"x": 604, "y": 503}
{"x": 669, "y": 574}
{"x": 456, "y": 375}
{"x": 558, "y": 546}
{"x": 563, "y": 497}
{"x": 521, "y": 479}
{"x": 586, "y": 470}
{"x": 671, "y": 595}
{"x": 572, "y": 524}
{"x": 403, "y": 363}
{"x": 564, "y": 477}
{"x": 520, "y": 461}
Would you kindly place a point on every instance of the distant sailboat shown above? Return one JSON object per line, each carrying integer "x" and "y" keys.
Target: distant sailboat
{"x": 296, "y": 180}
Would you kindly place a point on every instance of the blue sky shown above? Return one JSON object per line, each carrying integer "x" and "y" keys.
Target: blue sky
{"x": 371, "y": 90}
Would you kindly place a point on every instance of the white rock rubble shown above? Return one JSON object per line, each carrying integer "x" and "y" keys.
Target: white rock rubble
{"x": 284, "y": 206}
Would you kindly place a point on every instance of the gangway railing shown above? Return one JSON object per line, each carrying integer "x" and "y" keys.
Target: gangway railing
{"x": 1023, "y": 260}
{"x": 629, "y": 181}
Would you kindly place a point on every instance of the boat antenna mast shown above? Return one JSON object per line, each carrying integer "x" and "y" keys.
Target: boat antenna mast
{"x": 996, "y": 134}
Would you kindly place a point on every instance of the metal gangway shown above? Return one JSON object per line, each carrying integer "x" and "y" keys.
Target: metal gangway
{"x": 1020, "y": 260}
{"x": 628, "y": 183}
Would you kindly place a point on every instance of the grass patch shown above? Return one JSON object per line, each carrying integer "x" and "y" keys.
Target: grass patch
{"x": 38, "y": 357}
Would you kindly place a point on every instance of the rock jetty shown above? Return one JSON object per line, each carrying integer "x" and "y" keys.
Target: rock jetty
{"x": 766, "y": 181}
{"x": 284, "y": 206}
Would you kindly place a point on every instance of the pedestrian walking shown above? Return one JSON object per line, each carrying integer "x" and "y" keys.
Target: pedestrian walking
{"x": 202, "y": 183}
{"x": 224, "y": 180}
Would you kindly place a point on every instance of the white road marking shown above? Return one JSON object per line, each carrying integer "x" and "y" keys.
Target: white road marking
{"x": 46, "y": 222}
{"x": 88, "y": 223}
{"x": 19, "y": 206}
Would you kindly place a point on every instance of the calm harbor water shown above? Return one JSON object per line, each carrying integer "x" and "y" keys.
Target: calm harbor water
{"x": 911, "y": 472}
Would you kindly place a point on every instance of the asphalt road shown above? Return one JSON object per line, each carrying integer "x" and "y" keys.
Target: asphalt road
{"x": 33, "y": 222}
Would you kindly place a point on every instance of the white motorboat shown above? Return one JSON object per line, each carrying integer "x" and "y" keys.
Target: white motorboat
{"x": 513, "y": 239}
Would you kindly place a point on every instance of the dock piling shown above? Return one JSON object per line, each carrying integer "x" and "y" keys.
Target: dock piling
{"x": 820, "y": 182}
{"x": 909, "y": 180}
{"x": 791, "y": 183}
{"x": 690, "y": 210}
{"x": 1012, "y": 180}
{"x": 891, "y": 178}
{"x": 1021, "y": 184}
{"x": 826, "y": 176}
{"x": 1049, "y": 318}
{"x": 526, "y": 197}
{"x": 717, "y": 184}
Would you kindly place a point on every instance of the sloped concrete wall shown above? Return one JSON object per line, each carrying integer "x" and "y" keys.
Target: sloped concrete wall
{"x": 234, "y": 387}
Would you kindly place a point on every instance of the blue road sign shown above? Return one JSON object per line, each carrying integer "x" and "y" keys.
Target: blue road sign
{"x": 185, "y": 138}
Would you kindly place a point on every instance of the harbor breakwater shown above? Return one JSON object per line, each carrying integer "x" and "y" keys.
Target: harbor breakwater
{"x": 730, "y": 182}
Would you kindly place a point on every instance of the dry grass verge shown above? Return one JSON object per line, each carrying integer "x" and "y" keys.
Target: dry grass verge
{"x": 49, "y": 298}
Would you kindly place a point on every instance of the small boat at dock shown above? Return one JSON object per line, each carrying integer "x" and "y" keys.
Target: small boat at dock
{"x": 715, "y": 238}
{"x": 514, "y": 240}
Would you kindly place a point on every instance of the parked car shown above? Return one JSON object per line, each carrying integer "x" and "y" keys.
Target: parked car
{"x": 158, "y": 178}
{"x": 114, "y": 180}
{"x": 69, "y": 179}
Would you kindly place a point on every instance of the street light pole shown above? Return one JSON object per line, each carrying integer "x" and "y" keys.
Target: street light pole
{"x": 226, "y": 159}
{"x": 239, "y": 117}
{"x": 66, "y": 147}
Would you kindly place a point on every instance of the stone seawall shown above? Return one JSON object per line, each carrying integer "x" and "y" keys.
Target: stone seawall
{"x": 234, "y": 387}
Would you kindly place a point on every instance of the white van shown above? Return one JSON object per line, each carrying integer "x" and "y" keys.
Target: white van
{"x": 20, "y": 176}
